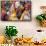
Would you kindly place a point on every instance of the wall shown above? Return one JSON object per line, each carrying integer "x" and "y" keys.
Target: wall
{"x": 27, "y": 28}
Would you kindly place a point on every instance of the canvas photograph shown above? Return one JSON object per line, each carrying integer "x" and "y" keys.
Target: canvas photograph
{"x": 15, "y": 10}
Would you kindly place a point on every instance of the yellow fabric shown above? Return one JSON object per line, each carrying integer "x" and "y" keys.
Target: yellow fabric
{"x": 23, "y": 14}
{"x": 44, "y": 40}
{"x": 13, "y": 15}
{"x": 2, "y": 39}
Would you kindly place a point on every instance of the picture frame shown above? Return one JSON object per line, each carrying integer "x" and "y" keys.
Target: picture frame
{"x": 15, "y": 10}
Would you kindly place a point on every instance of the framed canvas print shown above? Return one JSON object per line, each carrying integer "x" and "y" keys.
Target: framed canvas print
{"x": 16, "y": 10}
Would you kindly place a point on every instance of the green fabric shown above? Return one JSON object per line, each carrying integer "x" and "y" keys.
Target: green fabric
{"x": 41, "y": 17}
{"x": 11, "y": 31}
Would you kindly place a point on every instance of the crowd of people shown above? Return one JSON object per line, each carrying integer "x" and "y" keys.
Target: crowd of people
{"x": 15, "y": 10}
